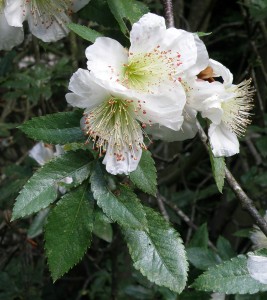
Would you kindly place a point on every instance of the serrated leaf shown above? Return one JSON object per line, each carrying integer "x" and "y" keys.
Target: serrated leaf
{"x": 225, "y": 249}
{"x": 218, "y": 170}
{"x": 102, "y": 226}
{"x": 59, "y": 128}
{"x": 145, "y": 176}
{"x": 85, "y": 32}
{"x": 124, "y": 207}
{"x": 202, "y": 258}
{"x": 230, "y": 277}
{"x": 68, "y": 231}
{"x": 127, "y": 10}
{"x": 158, "y": 252}
{"x": 42, "y": 187}
{"x": 200, "y": 237}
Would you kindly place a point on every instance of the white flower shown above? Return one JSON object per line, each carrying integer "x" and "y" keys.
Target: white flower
{"x": 155, "y": 62}
{"x": 258, "y": 238}
{"x": 47, "y": 19}
{"x": 9, "y": 36}
{"x": 227, "y": 106}
{"x": 43, "y": 153}
{"x": 257, "y": 267}
{"x": 114, "y": 120}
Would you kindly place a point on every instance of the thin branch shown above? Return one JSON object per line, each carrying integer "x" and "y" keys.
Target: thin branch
{"x": 168, "y": 10}
{"x": 246, "y": 203}
{"x": 162, "y": 207}
{"x": 185, "y": 218}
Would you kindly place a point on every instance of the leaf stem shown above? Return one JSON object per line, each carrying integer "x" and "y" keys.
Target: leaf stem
{"x": 246, "y": 203}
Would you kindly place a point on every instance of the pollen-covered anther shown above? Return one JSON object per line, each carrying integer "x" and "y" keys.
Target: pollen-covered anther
{"x": 237, "y": 110}
{"x": 113, "y": 123}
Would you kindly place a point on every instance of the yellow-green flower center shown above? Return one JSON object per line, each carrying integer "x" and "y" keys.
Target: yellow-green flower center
{"x": 145, "y": 71}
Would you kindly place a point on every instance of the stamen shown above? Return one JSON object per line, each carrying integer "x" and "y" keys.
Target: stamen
{"x": 146, "y": 70}
{"x": 47, "y": 11}
{"x": 114, "y": 123}
{"x": 237, "y": 114}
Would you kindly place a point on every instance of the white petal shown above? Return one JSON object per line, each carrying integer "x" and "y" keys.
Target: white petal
{"x": 257, "y": 267}
{"x": 125, "y": 166}
{"x": 86, "y": 92}
{"x": 16, "y": 12}
{"x": 165, "y": 107}
{"x": 212, "y": 109}
{"x": 106, "y": 58}
{"x": 200, "y": 90}
{"x": 220, "y": 70}
{"x": 188, "y": 129}
{"x": 202, "y": 58}
{"x": 59, "y": 150}
{"x": 9, "y": 36}
{"x": 49, "y": 32}
{"x": 147, "y": 33}
{"x": 41, "y": 153}
{"x": 223, "y": 141}
{"x": 183, "y": 43}
{"x": 78, "y": 4}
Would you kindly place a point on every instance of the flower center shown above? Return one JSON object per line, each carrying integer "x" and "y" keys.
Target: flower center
{"x": 147, "y": 70}
{"x": 114, "y": 123}
{"x": 47, "y": 11}
{"x": 236, "y": 111}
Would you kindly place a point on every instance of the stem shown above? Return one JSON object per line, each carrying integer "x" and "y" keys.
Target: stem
{"x": 168, "y": 11}
{"x": 246, "y": 203}
{"x": 185, "y": 218}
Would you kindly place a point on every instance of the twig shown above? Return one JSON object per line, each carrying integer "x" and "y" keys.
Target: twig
{"x": 168, "y": 10}
{"x": 185, "y": 218}
{"x": 253, "y": 151}
{"x": 246, "y": 203}
{"x": 162, "y": 207}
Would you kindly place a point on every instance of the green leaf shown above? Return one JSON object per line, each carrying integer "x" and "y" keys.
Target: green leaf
{"x": 68, "y": 231}
{"x": 124, "y": 207}
{"x": 261, "y": 144}
{"x": 127, "y": 11}
{"x": 145, "y": 176}
{"x": 202, "y": 258}
{"x": 218, "y": 170}
{"x": 59, "y": 128}
{"x": 84, "y": 32}
{"x": 230, "y": 277}
{"x": 200, "y": 238}
{"x": 42, "y": 187}
{"x": 225, "y": 249}
{"x": 158, "y": 252}
{"x": 37, "y": 224}
{"x": 102, "y": 227}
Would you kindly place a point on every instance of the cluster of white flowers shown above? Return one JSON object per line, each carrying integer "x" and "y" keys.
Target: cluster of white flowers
{"x": 156, "y": 88}
{"x": 47, "y": 19}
